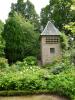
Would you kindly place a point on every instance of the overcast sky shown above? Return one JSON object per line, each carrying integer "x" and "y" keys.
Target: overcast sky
{"x": 6, "y": 4}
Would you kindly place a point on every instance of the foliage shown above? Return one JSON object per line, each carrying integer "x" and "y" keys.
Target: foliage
{"x": 31, "y": 78}
{"x": 44, "y": 16}
{"x": 3, "y": 63}
{"x": 70, "y": 31}
{"x": 59, "y": 12}
{"x": 31, "y": 14}
{"x": 69, "y": 55}
{"x": 63, "y": 82}
{"x": 64, "y": 41}
{"x": 2, "y": 44}
{"x": 60, "y": 64}
{"x": 19, "y": 7}
{"x": 1, "y": 26}
{"x": 27, "y": 78}
{"x": 73, "y": 57}
{"x": 22, "y": 43}
{"x": 31, "y": 60}
{"x": 22, "y": 37}
{"x": 71, "y": 28}
{"x": 27, "y": 9}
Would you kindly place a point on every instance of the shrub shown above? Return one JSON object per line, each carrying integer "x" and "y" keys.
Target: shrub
{"x": 31, "y": 60}
{"x": 64, "y": 41}
{"x": 72, "y": 58}
{"x": 57, "y": 70}
{"x": 3, "y": 63}
{"x": 33, "y": 78}
{"x": 61, "y": 65}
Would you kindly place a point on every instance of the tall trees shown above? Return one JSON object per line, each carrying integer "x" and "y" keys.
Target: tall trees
{"x": 31, "y": 14}
{"x": 19, "y": 7}
{"x": 58, "y": 11}
{"x": 45, "y": 15}
{"x": 27, "y": 9}
{"x": 20, "y": 38}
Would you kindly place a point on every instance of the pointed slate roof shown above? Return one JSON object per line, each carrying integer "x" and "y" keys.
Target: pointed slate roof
{"x": 50, "y": 29}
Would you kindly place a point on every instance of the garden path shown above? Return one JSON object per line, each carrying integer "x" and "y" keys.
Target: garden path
{"x": 34, "y": 97}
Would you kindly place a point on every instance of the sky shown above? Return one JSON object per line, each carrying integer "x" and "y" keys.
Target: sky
{"x": 5, "y": 7}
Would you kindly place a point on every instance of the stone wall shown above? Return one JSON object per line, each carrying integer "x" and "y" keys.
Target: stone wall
{"x": 46, "y": 56}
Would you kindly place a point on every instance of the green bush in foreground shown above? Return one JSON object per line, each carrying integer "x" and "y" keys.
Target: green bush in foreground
{"x": 31, "y": 60}
{"x": 34, "y": 78}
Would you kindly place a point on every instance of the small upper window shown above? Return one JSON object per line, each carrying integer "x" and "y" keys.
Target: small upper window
{"x": 52, "y": 39}
{"x": 52, "y": 50}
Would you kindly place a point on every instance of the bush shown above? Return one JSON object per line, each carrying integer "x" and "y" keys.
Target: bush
{"x": 34, "y": 78}
{"x": 3, "y": 63}
{"x": 60, "y": 65}
{"x": 57, "y": 70}
{"x": 31, "y": 60}
{"x": 64, "y": 41}
{"x": 72, "y": 58}
{"x": 24, "y": 77}
{"x": 28, "y": 78}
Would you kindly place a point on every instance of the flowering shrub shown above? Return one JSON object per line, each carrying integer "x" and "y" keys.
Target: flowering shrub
{"x": 24, "y": 77}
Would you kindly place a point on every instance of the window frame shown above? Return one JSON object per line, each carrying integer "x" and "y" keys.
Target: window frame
{"x": 52, "y": 50}
{"x": 52, "y": 39}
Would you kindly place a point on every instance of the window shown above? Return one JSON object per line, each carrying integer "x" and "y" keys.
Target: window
{"x": 52, "y": 39}
{"x": 52, "y": 50}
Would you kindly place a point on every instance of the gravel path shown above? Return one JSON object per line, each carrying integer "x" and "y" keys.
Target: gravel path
{"x": 34, "y": 97}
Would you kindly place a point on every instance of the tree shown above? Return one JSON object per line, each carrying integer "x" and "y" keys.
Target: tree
{"x": 70, "y": 31}
{"x": 27, "y": 9}
{"x": 20, "y": 38}
{"x": 31, "y": 14}
{"x": 18, "y": 7}
{"x": 58, "y": 11}
{"x": 44, "y": 16}
{"x": 2, "y": 44}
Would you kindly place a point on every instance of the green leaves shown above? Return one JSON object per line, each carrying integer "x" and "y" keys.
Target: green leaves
{"x": 2, "y": 43}
{"x": 31, "y": 60}
{"x": 64, "y": 41}
{"x": 35, "y": 78}
{"x": 71, "y": 27}
{"x": 20, "y": 38}
{"x": 59, "y": 12}
{"x": 27, "y": 10}
{"x": 24, "y": 77}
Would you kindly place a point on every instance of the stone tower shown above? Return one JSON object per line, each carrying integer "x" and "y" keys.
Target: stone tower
{"x": 50, "y": 44}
